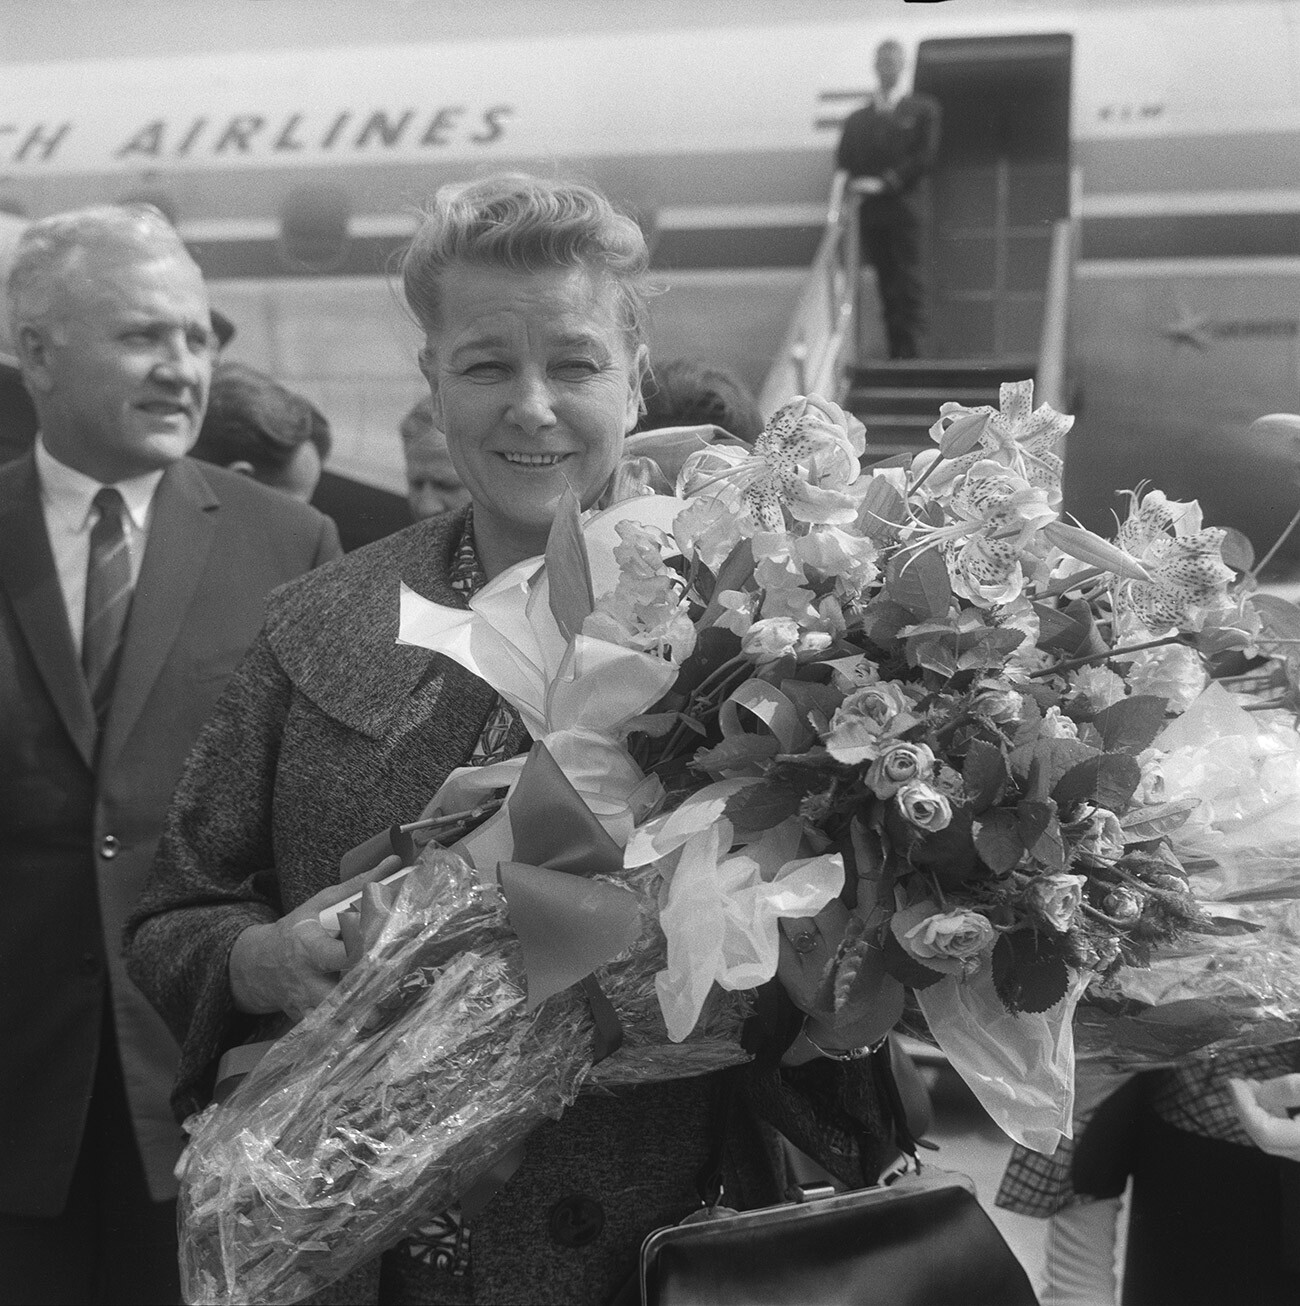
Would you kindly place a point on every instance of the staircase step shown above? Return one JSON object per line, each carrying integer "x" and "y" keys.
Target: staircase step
{"x": 923, "y": 400}
{"x": 943, "y": 374}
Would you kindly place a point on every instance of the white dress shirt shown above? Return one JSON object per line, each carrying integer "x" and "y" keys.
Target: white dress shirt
{"x": 67, "y": 499}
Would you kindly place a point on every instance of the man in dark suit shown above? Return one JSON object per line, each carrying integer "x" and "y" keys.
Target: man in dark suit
{"x": 886, "y": 147}
{"x": 131, "y": 581}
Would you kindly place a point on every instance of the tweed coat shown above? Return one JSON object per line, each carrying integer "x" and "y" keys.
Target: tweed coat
{"x": 80, "y": 815}
{"x": 330, "y": 732}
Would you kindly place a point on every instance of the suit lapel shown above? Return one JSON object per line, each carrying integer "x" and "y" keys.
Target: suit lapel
{"x": 180, "y": 540}
{"x": 27, "y": 573}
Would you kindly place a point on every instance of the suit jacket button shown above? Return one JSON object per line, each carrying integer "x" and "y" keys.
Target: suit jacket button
{"x": 89, "y": 964}
{"x": 576, "y": 1220}
{"x": 108, "y": 847}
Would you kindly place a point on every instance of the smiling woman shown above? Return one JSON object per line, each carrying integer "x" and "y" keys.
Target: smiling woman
{"x": 531, "y": 298}
{"x": 533, "y": 306}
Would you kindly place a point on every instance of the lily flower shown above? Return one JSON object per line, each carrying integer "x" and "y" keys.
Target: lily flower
{"x": 1022, "y": 438}
{"x": 1184, "y": 561}
{"x": 802, "y": 465}
{"x": 993, "y": 516}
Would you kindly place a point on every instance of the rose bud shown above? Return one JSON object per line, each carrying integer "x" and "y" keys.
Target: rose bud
{"x": 923, "y": 806}
{"x": 898, "y": 764}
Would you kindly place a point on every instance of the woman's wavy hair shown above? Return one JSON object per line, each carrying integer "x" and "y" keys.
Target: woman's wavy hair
{"x": 527, "y": 224}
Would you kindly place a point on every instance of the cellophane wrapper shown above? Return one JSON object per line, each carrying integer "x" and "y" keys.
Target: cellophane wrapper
{"x": 1214, "y": 993}
{"x": 420, "y": 1070}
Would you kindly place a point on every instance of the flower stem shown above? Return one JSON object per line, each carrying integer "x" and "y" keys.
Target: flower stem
{"x": 1107, "y": 655}
{"x": 925, "y": 475}
{"x": 1068, "y": 583}
{"x": 1277, "y": 544}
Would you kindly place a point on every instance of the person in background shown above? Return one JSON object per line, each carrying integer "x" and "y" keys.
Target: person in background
{"x": 886, "y": 147}
{"x": 685, "y": 393}
{"x": 432, "y": 483}
{"x": 256, "y": 427}
{"x": 531, "y": 294}
{"x": 131, "y": 581}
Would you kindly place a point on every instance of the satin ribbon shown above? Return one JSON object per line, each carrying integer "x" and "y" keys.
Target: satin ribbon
{"x": 567, "y": 922}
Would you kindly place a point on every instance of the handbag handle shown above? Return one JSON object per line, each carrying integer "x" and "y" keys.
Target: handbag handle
{"x": 708, "y": 1178}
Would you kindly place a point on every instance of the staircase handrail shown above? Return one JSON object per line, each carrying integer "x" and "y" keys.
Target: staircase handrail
{"x": 821, "y": 338}
{"x": 1052, "y": 385}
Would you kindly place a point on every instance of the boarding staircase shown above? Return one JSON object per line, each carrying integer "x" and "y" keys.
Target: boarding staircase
{"x": 899, "y": 401}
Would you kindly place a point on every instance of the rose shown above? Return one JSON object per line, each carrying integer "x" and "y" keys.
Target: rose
{"x": 1122, "y": 905}
{"x": 948, "y": 941}
{"x": 1056, "y": 898}
{"x": 864, "y": 719}
{"x": 898, "y": 764}
{"x": 999, "y": 704}
{"x": 1175, "y": 672}
{"x": 949, "y": 783}
{"x": 923, "y": 806}
{"x": 1056, "y": 725}
{"x": 1098, "y": 836}
{"x": 770, "y": 639}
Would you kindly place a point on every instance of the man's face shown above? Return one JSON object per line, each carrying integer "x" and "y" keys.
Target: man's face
{"x": 889, "y": 64}
{"x": 123, "y": 364}
{"x": 432, "y": 486}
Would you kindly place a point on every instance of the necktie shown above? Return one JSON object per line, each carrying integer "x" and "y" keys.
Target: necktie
{"x": 108, "y": 599}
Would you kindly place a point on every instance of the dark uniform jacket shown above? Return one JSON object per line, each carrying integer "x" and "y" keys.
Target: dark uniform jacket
{"x": 898, "y": 145}
{"x": 79, "y": 821}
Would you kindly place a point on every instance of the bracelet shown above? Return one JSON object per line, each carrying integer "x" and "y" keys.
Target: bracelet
{"x": 845, "y": 1054}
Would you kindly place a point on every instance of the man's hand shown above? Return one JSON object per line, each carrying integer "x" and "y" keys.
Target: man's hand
{"x": 290, "y": 965}
{"x": 1265, "y": 1108}
{"x": 867, "y": 185}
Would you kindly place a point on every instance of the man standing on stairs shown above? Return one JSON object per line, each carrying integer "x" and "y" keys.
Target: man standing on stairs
{"x": 886, "y": 147}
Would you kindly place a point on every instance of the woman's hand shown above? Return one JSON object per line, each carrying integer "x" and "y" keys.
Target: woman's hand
{"x": 290, "y": 965}
{"x": 1265, "y": 1108}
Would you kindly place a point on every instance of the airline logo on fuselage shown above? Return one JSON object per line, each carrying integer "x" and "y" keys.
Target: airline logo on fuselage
{"x": 257, "y": 137}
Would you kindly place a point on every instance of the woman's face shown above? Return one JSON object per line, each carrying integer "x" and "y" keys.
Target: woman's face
{"x": 535, "y": 386}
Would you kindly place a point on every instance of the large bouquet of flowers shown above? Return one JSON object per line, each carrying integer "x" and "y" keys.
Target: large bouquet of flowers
{"x": 907, "y": 696}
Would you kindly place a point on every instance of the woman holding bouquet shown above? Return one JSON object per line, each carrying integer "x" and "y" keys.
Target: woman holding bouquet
{"x": 531, "y": 296}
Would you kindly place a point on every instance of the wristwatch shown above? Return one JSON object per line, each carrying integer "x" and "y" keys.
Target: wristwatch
{"x": 845, "y": 1054}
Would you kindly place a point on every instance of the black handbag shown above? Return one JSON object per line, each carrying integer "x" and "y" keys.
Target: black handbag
{"x": 922, "y": 1241}
{"x": 917, "y": 1239}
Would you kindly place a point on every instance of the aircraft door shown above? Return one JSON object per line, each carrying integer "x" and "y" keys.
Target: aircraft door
{"x": 1002, "y": 178}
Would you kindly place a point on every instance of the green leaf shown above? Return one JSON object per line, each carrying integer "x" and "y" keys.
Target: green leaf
{"x": 809, "y": 697}
{"x": 883, "y": 511}
{"x": 1029, "y": 972}
{"x": 984, "y": 774}
{"x": 919, "y": 581}
{"x": 714, "y": 646}
{"x": 1053, "y": 757}
{"x": 734, "y": 574}
{"x": 905, "y": 968}
{"x": 948, "y": 854}
{"x": 738, "y": 751}
{"x": 1151, "y": 822}
{"x": 998, "y": 840}
{"x": 1236, "y": 550}
{"x": 1107, "y": 780}
{"x": 568, "y": 570}
{"x": 1130, "y": 725}
{"x": 1071, "y": 631}
{"x": 882, "y": 619}
{"x": 1041, "y": 832}
{"x": 963, "y": 435}
{"x": 761, "y": 806}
